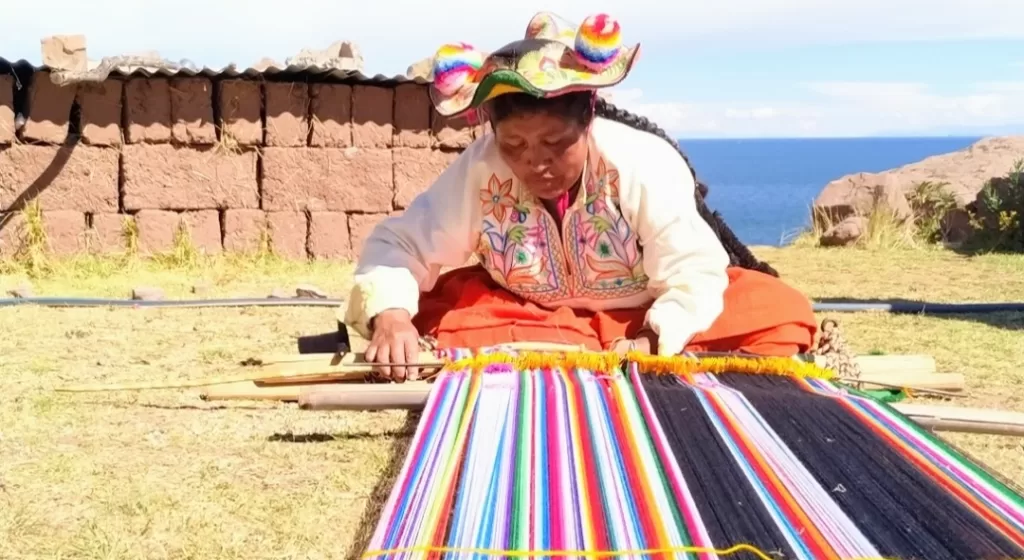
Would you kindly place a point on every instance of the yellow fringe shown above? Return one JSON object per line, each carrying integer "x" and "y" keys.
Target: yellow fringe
{"x": 595, "y": 361}
{"x": 669, "y": 365}
{"x": 767, "y": 365}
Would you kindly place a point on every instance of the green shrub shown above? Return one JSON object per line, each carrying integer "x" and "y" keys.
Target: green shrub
{"x": 996, "y": 215}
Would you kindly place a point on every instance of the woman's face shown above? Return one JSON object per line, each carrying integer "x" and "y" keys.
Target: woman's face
{"x": 545, "y": 151}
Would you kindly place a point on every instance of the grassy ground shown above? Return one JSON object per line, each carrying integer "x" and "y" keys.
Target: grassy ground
{"x": 164, "y": 475}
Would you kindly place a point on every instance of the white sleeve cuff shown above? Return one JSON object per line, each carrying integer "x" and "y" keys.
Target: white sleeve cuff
{"x": 380, "y": 289}
{"x": 673, "y": 330}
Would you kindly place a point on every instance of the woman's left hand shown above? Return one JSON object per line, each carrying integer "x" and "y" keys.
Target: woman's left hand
{"x": 646, "y": 342}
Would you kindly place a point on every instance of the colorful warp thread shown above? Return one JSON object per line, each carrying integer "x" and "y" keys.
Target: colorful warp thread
{"x": 576, "y": 456}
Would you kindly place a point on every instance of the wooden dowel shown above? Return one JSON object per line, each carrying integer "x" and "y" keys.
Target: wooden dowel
{"x": 877, "y": 372}
{"x": 401, "y": 396}
{"x": 289, "y": 392}
{"x": 905, "y": 364}
{"x": 354, "y": 367}
{"x": 965, "y": 420}
{"x": 872, "y": 367}
{"x": 429, "y": 357}
{"x": 952, "y": 382}
{"x": 350, "y": 367}
{"x": 255, "y": 391}
{"x": 352, "y": 364}
{"x": 413, "y": 396}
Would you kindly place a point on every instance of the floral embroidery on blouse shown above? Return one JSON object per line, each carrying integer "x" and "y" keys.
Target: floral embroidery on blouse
{"x": 497, "y": 198}
{"x": 515, "y": 246}
{"x": 524, "y": 251}
{"x": 605, "y": 247}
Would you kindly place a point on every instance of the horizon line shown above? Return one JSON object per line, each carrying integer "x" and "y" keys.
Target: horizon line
{"x": 859, "y": 137}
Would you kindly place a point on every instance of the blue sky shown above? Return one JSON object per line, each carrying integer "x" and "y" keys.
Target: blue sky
{"x": 742, "y": 68}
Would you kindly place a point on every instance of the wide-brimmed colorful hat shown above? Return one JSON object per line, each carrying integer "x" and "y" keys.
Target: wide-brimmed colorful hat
{"x": 554, "y": 58}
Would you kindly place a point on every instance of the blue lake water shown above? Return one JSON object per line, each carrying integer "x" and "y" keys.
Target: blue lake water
{"x": 764, "y": 188}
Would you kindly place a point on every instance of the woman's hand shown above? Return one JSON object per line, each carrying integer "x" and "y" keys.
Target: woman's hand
{"x": 646, "y": 342}
{"x": 394, "y": 341}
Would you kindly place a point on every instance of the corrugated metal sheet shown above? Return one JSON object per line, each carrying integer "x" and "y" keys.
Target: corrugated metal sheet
{"x": 232, "y": 71}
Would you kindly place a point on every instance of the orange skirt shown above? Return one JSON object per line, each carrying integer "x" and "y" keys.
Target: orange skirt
{"x": 467, "y": 309}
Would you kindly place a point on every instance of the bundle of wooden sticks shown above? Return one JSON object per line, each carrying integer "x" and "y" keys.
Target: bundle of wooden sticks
{"x": 343, "y": 381}
{"x": 338, "y": 382}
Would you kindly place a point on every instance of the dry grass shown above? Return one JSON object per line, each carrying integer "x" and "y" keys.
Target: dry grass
{"x": 163, "y": 475}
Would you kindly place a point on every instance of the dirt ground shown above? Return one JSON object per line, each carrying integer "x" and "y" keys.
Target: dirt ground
{"x": 162, "y": 474}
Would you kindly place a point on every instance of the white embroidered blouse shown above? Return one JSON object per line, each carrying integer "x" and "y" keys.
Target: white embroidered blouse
{"x": 632, "y": 236}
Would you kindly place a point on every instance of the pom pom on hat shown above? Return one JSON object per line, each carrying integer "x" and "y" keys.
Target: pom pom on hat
{"x": 454, "y": 65}
{"x": 598, "y": 42}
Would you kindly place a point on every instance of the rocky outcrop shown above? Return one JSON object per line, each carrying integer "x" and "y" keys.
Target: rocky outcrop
{"x": 422, "y": 69}
{"x": 341, "y": 55}
{"x": 957, "y": 177}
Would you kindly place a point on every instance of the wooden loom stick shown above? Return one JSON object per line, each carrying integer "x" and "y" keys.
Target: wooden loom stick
{"x": 965, "y": 420}
{"x": 869, "y": 363}
{"x": 318, "y": 368}
{"x": 940, "y": 383}
{"x": 351, "y": 367}
{"x": 952, "y": 382}
{"x": 285, "y": 389}
{"x": 413, "y": 396}
{"x": 305, "y": 368}
{"x": 268, "y": 359}
{"x": 257, "y": 391}
{"x": 408, "y": 396}
{"x": 877, "y": 372}
{"x": 918, "y": 364}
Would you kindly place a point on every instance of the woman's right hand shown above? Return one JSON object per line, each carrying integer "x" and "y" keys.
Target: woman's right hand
{"x": 394, "y": 341}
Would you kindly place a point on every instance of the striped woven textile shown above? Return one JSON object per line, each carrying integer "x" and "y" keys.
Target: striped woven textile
{"x": 584, "y": 456}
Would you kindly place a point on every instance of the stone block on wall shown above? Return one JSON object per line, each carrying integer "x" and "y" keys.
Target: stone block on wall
{"x": 159, "y": 229}
{"x": 288, "y": 233}
{"x": 452, "y": 133}
{"x": 49, "y": 112}
{"x": 12, "y": 226}
{"x": 287, "y": 109}
{"x": 331, "y": 107}
{"x": 333, "y": 179}
{"x": 100, "y": 106}
{"x": 7, "y": 133}
{"x": 412, "y": 116}
{"x": 360, "y": 226}
{"x": 244, "y": 230}
{"x": 240, "y": 103}
{"x": 169, "y": 177}
{"x": 328, "y": 235}
{"x": 83, "y": 178}
{"x": 192, "y": 111}
{"x": 147, "y": 110}
{"x": 107, "y": 234}
{"x": 64, "y": 229}
{"x": 415, "y": 170}
{"x": 373, "y": 118}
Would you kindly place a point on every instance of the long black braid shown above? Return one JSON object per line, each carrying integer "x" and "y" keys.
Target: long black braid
{"x": 739, "y": 254}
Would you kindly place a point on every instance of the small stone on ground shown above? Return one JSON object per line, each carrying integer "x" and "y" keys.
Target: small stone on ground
{"x": 310, "y": 291}
{"x": 146, "y": 293}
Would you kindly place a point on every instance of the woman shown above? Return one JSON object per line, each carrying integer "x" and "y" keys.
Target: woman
{"x": 587, "y": 223}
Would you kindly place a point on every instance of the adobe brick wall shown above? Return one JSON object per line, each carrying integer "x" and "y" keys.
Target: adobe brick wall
{"x": 311, "y": 166}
